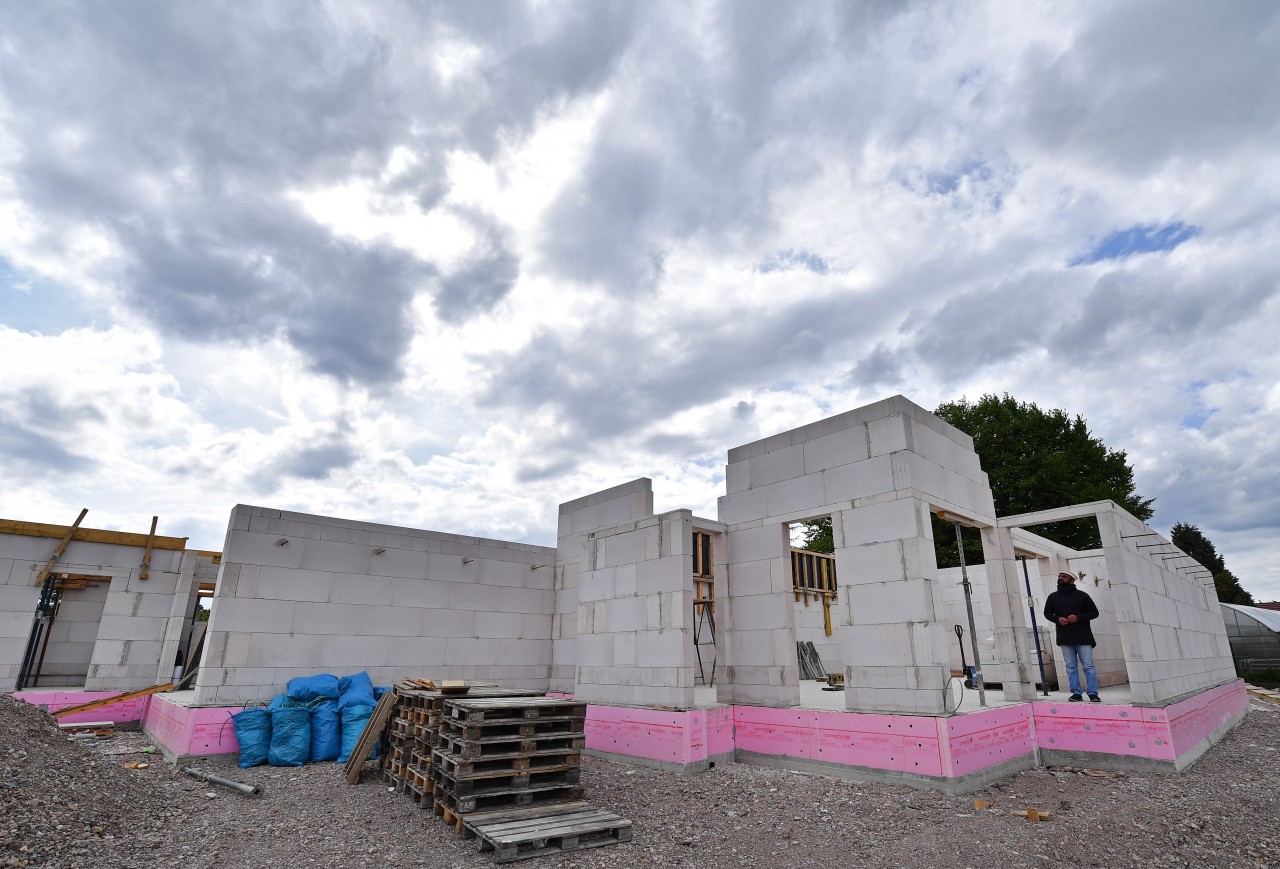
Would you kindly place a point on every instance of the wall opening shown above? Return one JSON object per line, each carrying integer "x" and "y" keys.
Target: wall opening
{"x": 66, "y": 649}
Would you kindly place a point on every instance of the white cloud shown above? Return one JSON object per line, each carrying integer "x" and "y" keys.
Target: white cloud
{"x": 448, "y": 266}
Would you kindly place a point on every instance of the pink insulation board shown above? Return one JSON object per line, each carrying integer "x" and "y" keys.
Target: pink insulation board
{"x": 1104, "y": 729}
{"x": 191, "y": 730}
{"x": 903, "y": 743}
{"x": 120, "y": 713}
{"x": 1195, "y": 719}
{"x": 977, "y": 740}
{"x": 652, "y": 734}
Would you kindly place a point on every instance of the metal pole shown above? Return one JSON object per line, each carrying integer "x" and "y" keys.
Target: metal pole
{"x": 973, "y": 631}
{"x": 1035, "y": 628}
{"x": 250, "y": 790}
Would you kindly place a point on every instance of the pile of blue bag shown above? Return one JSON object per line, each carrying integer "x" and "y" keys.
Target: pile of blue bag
{"x": 317, "y": 718}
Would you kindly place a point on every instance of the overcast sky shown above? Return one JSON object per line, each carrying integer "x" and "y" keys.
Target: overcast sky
{"x": 448, "y": 265}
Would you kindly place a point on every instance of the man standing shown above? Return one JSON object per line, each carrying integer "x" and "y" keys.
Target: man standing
{"x": 1071, "y": 610}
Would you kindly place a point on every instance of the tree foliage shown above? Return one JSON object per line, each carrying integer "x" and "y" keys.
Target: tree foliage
{"x": 1190, "y": 540}
{"x": 1037, "y": 460}
{"x": 817, "y": 536}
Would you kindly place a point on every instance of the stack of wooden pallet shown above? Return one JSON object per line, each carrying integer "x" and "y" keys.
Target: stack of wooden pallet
{"x": 508, "y": 772}
{"x": 414, "y": 733}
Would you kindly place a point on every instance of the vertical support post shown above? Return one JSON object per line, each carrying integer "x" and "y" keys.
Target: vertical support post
{"x": 973, "y": 631}
{"x": 1035, "y": 627}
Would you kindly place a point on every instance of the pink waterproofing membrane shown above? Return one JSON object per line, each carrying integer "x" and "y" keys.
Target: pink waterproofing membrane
{"x": 119, "y": 713}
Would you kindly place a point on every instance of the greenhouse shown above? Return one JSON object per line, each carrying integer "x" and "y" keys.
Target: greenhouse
{"x": 1254, "y": 634}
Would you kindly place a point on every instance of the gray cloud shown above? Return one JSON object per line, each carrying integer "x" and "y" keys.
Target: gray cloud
{"x": 30, "y": 454}
{"x": 484, "y": 280}
{"x": 1165, "y": 64}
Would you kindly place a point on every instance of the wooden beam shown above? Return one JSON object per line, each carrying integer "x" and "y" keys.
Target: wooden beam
{"x": 145, "y": 573}
{"x": 89, "y": 535}
{"x": 60, "y": 548}
{"x": 107, "y": 701}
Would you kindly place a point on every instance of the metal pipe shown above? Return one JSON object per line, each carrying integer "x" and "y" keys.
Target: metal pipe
{"x": 1035, "y": 630}
{"x": 250, "y": 790}
{"x": 973, "y": 631}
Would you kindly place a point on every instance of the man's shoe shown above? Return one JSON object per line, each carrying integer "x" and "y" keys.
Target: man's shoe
{"x": 1075, "y": 698}
{"x": 1094, "y": 698}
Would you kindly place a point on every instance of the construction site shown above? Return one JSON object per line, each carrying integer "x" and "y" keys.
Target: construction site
{"x": 658, "y": 682}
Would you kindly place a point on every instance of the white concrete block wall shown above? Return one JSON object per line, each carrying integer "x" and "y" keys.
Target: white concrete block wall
{"x": 341, "y": 596}
{"x": 1168, "y": 619}
{"x": 619, "y": 504}
{"x": 876, "y": 470}
{"x": 635, "y": 613}
{"x": 106, "y": 637}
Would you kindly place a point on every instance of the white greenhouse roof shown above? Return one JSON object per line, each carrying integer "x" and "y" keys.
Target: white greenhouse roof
{"x": 1270, "y": 618}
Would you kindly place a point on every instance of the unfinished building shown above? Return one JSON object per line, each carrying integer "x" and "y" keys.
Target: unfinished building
{"x": 681, "y": 631}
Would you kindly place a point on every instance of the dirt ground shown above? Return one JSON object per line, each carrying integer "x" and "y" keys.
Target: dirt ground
{"x": 66, "y": 805}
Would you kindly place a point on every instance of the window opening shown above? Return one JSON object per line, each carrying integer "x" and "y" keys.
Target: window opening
{"x": 704, "y": 607}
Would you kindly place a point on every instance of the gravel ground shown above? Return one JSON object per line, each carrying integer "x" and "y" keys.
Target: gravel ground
{"x": 67, "y": 805}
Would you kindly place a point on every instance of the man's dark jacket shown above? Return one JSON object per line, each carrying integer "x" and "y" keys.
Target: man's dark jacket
{"x": 1064, "y": 602}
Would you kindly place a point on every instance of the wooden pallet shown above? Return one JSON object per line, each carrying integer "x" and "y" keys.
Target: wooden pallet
{"x": 507, "y": 781}
{"x": 505, "y": 762}
{"x": 513, "y": 798}
{"x": 519, "y": 834}
{"x": 496, "y": 709}
{"x": 504, "y": 745}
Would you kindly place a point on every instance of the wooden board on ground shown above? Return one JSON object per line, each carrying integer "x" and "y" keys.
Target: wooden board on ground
{"x": 370, "y": 737}
{"x": 519, "y": 834}
{"x": 107, "y": 701}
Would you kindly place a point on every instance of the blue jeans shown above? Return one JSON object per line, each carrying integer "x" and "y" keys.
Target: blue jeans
{"x": 1085, "y": 654}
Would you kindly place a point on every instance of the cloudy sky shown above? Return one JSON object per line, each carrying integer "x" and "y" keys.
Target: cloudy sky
{"x": 447, "y": 265}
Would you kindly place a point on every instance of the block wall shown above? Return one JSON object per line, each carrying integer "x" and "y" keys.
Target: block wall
{"x": 878, "y": 471}
{"x": 635, "y": 613}
{"x": 1170, "y": 622}
{"x": 300, "y": 594}
{"x": 619, "y": 504}
{"x": 130, "y": 631}
{"x": 71, "y": 637}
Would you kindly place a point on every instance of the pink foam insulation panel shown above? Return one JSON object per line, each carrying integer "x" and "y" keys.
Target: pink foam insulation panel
{"x": 1196, "y": 718}
{"x": 977, "y": 740}
{"x": 1136, "y": 731}
{"x": 191, "y": 730}
{"x": 902, "y": 743}
{"x": 676, "y": 737}
{"x": 120, "y": 713}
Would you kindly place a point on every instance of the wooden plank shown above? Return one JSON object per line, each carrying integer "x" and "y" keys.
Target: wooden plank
{"x": 145, "y": 572}
{"x": 372, "y": 735}
{"x": 88, "y": 535}
{"x": 107, "y": 701}
{"x": 58, "y": 550}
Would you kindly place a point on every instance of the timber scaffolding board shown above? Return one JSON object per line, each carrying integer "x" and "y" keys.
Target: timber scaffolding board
{"x": 518, "y": 834}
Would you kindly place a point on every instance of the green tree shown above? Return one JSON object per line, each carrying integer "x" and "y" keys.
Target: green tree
{"x": 1190, "y": 540}
{"x": 1037, "y": 460}
{"x": 817, "y": 536}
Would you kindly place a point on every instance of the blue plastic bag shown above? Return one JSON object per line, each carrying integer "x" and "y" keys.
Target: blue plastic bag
{"x": 253, "y": 732}
{"x": 326, "y": 731}
{"x": 378, "y": 691}
{"x": 354, "y": 720}
{"x": 308, "y": 688}
{"x": 290, "y": 736}
{"x": 356, "y": 690}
